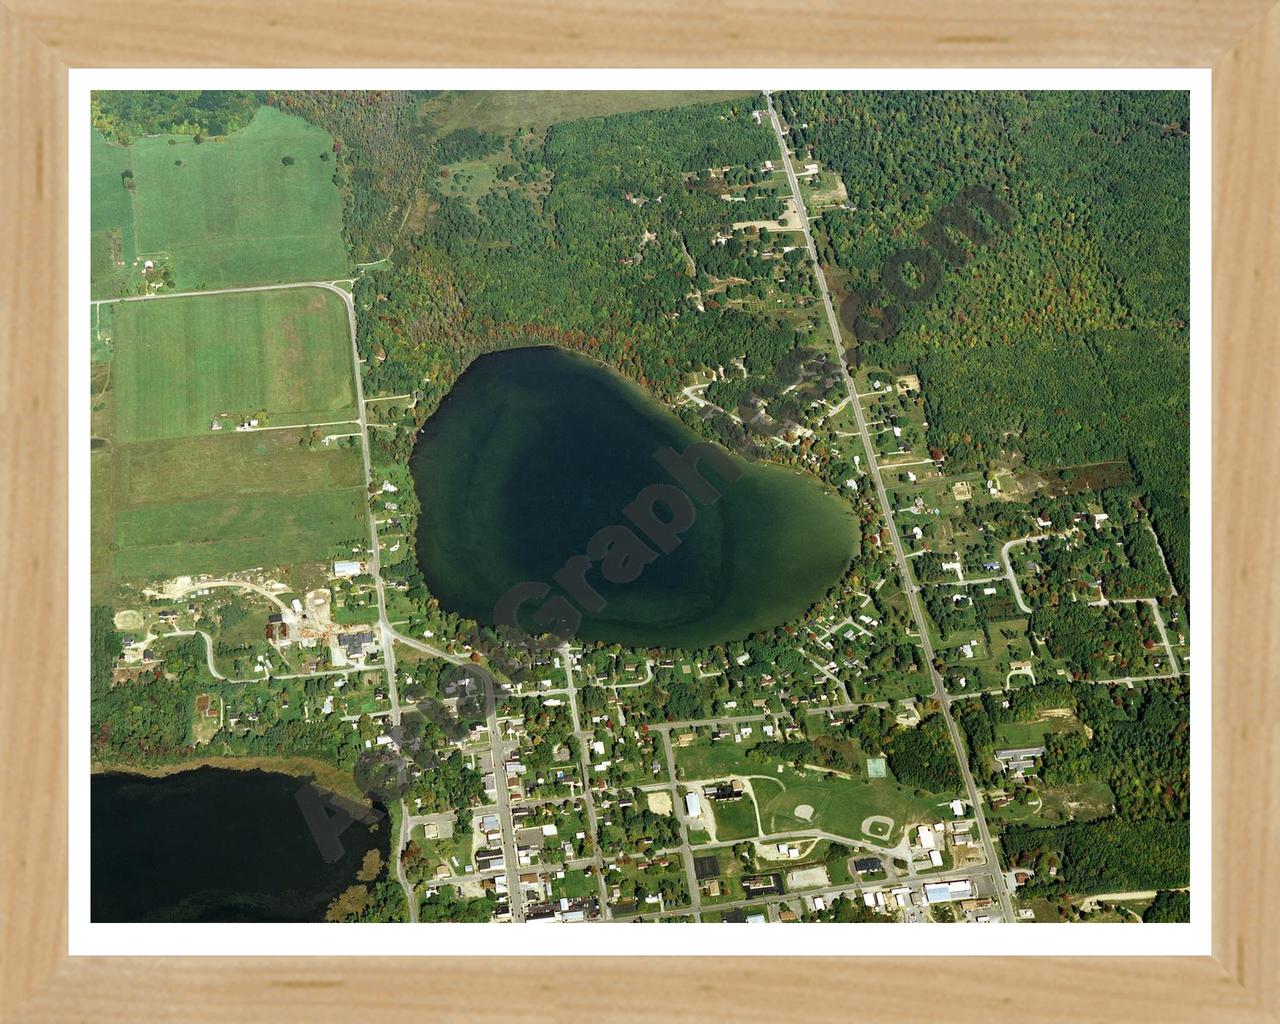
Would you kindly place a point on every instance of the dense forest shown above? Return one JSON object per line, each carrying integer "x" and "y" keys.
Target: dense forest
{"x": 1137, "y": 742}
{"x": 1084, "y": 283}
{"x": 1111, "y": 855}
{"x": 125, "y": 115}
{"x": 598, "y": 235}
{"x": 1171, "y": 906}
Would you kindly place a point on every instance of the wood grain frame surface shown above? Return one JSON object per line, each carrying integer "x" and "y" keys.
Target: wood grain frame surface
{"x": 41, "y": 39}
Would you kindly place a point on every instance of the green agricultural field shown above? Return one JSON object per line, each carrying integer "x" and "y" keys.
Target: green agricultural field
{"x": 110, "y": 220}
{"x": 221, "y": 212}
{"x": 509, "y": 111}
{"x": 223, "y": 503}
{"x": 235, "y": 465}
{"x": 220, "y": 536}
{"x": 735, "y": 819}
{"x": 180, "y": 362}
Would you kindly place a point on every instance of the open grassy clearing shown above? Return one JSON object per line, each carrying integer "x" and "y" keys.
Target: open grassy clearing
{"x": 575, "y": 884}
{"x": 230, "y": 211}
{"x": 735, "y": 819}
{"x": 282, "y": 356}
{"x": 101, "y": 523}
{"x": 219, "y": 535}
{"x": 238, "y": 465}
{"x": 839, "y": 805}
{"x": 1032, "y": 734}
{"x": 454, "y": 852}
{"x": 110, "y": 219}
{"x": 508, "y": 111}
{"x": 219, "y": 503}
{"x": 1053, "y": 805}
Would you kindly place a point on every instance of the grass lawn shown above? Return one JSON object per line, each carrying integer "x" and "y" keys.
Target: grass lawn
{"x": 1031, "y": 734}
{"x": 508, "y": 111}
{"x": 707, "y": 760}
{"x": 574, "y": 885}
{"x": 180, "y": 362}
{"x": 735, "y": 819}
{"x": 230, "y": 211}
{"x": 839, "y": 805}
{"x": 456, "y": 848}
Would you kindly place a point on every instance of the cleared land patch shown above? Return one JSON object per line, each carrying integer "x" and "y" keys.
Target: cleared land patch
{"x": 216, "y": 504}
{"x": 237, "y": 465}
{"x": 181, "y": 362}
{"x": 735, "y": 819}
{"x": 171, "y": 496}
{"x": 232, "y": 211}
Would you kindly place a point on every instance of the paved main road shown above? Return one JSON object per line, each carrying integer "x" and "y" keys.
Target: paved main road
{"x": 908, "y": 585}
{"x": 384, "y": 626}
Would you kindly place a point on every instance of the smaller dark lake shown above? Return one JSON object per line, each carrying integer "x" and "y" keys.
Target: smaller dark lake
{"x": 214, "y": 845}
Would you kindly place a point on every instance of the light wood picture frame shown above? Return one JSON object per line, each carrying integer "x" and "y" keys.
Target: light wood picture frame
{"x": 41, "y": 39}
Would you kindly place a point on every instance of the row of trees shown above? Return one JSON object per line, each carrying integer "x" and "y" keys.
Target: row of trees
{"x": 128, "y": 115}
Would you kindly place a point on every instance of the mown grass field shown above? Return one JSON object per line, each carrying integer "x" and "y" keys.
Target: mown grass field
{"x": 1031, "y": 734}
{"x": 217, "y": 535}
{"x": 222, "y": 503}
{"x": 232, "y": 466}
{"x": 839, "y": 804}
{"x": 221, "y": 212}
{"x": 170, "y": 497}
{"x": 735, "y": 819}
{"x": 507, "y": 111}
{"x": 180, "y": 362}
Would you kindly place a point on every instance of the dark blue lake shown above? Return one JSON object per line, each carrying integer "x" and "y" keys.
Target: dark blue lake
{"x": 214, "y": 845}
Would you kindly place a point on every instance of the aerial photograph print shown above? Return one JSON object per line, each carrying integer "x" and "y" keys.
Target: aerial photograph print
{"x": 639, "y": 506}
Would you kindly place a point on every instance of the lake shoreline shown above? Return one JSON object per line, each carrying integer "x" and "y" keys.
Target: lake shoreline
{"x": 327, "y": 776}
{"x": 538, "y": 452}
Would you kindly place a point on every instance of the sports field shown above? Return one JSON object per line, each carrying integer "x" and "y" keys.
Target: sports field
{"x": 281, "y": 356}
{"x": 828, "y": 801}
{"x": 839, "y": 805}
{"x": 256, "y": 207}
{"x": 222, "y": 503}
